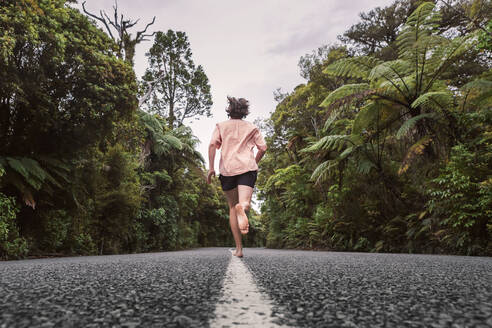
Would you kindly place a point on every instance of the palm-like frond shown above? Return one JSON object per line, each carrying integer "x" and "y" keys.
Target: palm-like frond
{"x": 422, "y": 23}
{"x": 445, "y": 53}
{"x": 405, "y": 127}
{"x": 364, "y": 165}
{"x": 150, "y": 123}
{"x": 322, "y": 171}
{"x": 347, "y": 152}
{"x": 478, "y": 91}
{"x": 434, "y": 100}
{"x": 27, "y": 174}
{"x": 332, "y": 118}
{"x": 355, "y": 67}
{"x": 327, "y": 143}
{"x": 166, "y": 143}
{"x": 365, "y": 117}
{"x": 345, "y": 91}
{"x": 162, "y": 142}
{"x": 391, "y": 70}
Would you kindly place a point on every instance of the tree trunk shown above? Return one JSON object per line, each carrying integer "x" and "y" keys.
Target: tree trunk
{"x": 171, "y": 115}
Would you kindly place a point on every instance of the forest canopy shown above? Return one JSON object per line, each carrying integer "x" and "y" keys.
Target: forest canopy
{"x": 387, "y": 146}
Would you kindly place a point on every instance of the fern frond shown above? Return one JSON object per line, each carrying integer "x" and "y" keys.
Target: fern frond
{"x": 56, "y": 168}
{"x": 39, "y": 173}
{"x": 446, "y": 54}
{"x": 365, "y": 117}
{"x": 172, "y": 141}
{"x": 329, "y": 121}
{"x": 198, "y": 155}
{"x": 347, "y": 90}
{"x": 356, "y": 67}
{"x": 415, "y": 150}
{"x": 346, "y": 152}
{"x": 166, "y": 143}
{"x": 421, "y": 23}
{"x": 364, "y": 165}
{"x": 478, "y": 91}
{"x": 405, "y": 127}
{"x": 433, "y": 100}
{"x": 391, "y": 70}
{"x": 151, "y": 124}
{"x": 327, "y": 143}
{"x": 322, "y": 171}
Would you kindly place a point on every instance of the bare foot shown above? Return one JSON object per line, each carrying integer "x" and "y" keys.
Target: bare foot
{"x": 238, "y": 253}
{"x": 242, "y": 219}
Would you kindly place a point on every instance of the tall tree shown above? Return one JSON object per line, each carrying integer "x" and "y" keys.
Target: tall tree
{"x": 60, "y": 90}
{"x": 376, "y": 33}
{"x": 406, "y": 96}
{"x": 181, "y": 90}
{"x": 118, "y": 29}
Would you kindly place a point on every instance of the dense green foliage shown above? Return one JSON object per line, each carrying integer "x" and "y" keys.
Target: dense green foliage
{"x": 82, "y": 169}
{"x": 387, "y": 146}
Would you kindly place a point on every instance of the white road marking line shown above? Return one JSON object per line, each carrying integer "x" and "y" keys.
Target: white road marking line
{"x": 242, "y": 303}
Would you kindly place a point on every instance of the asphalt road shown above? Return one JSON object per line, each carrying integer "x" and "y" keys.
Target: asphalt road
{"x": 332, "y": 289}
{"x": 307, "y": 289}
{"x": 170, "y": 289}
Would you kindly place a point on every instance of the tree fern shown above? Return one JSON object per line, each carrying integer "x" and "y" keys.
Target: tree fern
{"x": 327, "y": 143}
{"x": 391, "y": 70}
{"x": 478, "y": 91}
{"x": 355, "y": 67}
{"x": 364, "y": 165}
{"x": 366, "y": 117}
{"x": 27, "y": 175}
{"x": 405, "y": 127}
{"x": 412, "y": 153}
{"x": 434, "y": 100}
{"x": 345, "y": 91}
{"x": 421, "y": 23}
{"x": 322, "y": 171}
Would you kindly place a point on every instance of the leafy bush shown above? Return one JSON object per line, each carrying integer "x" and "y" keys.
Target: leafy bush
{"x": 84, "y": 245}
{"x": 461, "y": 201}
{"x": 11, "y": 244}
{"x": 56, "y": 227}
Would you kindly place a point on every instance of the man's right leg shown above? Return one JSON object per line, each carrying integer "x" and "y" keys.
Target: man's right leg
{"x": 243, "y": 206}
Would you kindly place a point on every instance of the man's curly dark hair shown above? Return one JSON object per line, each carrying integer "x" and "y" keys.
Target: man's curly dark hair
{"x": 238, "y": 107}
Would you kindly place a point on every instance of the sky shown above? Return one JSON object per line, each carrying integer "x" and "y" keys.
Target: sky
{"x": 248, "y": 48}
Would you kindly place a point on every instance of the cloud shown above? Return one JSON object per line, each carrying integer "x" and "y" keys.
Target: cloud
{"x": 247, "y": 48}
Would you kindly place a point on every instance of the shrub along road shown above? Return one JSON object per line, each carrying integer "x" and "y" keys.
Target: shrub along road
{"x": 305, "y": 289}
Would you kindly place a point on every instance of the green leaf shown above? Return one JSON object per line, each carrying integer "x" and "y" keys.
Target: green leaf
{"x": 345, "y": 94}
{"x": 356, "y": 67}
{"x": 405, "y": 127}
{"x": 439, "y": 99}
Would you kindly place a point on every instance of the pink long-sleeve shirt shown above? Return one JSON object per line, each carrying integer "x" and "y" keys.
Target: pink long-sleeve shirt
{"x": 237, "y": 138}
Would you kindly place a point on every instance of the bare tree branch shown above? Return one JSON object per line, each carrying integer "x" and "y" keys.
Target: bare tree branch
{"x": 101, "y": 19}
{"x": 141, "y": 34}
{"x": 150, "y": 89}
{"x": 121, "y": 25}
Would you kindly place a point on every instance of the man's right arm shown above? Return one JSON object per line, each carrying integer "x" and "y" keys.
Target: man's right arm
{"x": 259, "y": 155}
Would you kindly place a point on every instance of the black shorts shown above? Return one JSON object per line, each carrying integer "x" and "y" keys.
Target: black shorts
{"x": 231, "y": 182}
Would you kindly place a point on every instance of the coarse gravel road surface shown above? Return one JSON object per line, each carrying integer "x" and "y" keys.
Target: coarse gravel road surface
{"x": 196, "y": 288}
{"x": 338, "y": 289}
